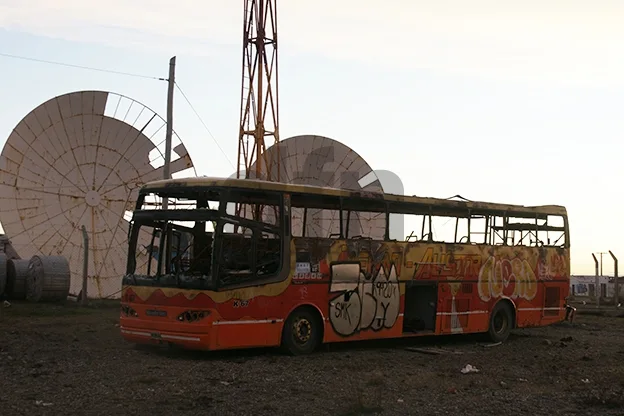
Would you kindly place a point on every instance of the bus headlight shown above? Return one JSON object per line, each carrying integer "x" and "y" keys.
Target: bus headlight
{"x": 128, "y": 311}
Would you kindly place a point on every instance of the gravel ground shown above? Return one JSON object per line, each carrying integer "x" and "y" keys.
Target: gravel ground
{"x": 68, "y": 360}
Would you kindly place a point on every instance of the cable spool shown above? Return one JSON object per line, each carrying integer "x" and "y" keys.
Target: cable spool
{"x": 3, "y": 273}
{"x": 17, "y": 272}
{"x": 48, "y": 279}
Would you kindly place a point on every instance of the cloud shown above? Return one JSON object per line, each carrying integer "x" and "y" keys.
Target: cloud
{"x": 551, "y": 41}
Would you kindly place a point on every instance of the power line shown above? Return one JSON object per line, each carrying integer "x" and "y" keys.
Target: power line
{"x": 110, "y": 71}
{"x": 204, "y": 124}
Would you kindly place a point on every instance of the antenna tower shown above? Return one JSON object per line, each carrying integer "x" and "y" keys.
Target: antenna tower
{"x": 259, "y": 114}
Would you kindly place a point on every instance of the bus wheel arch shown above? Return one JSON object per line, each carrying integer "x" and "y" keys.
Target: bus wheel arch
{"x": 502, "y": 320}
{"x": 303, "y": 330}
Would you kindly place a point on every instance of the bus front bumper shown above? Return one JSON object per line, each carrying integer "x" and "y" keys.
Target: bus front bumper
{"x": 185, "y": 339}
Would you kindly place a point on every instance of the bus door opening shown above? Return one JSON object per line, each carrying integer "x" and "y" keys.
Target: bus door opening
{"x": 421, "y": 300}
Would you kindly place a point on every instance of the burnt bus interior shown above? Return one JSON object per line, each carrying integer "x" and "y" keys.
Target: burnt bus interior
{"x": 199, "y": 241}
{"x": 207, "y": 244}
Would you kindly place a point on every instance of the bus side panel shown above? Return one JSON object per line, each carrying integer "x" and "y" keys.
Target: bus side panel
{"x": 356, "y": 285}
{"x": 460, "y": 311}
{"x": 470, "y": 279}
{"x": 341, "y": 316}
{"x": 547, "y": 308}
{"x": 248, "y": 333}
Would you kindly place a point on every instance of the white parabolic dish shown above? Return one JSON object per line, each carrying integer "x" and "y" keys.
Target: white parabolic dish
{"x": 322, "y": 161}
{"x": 79, "y": 159}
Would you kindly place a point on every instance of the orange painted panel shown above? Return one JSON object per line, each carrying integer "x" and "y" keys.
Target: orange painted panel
{"x": 249, "y": 334}
{"x": 359, "y": 289}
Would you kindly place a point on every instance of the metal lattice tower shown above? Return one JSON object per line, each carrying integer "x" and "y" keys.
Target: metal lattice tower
{"x": 259, "y": 115}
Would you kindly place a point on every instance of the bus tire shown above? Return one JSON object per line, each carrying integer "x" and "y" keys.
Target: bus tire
{"x": 302, "y": 332}
{"x": 501, "y": 322}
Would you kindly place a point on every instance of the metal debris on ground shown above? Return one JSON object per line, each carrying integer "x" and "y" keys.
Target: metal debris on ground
{"x": 491, "y": 345}
{"x": 432, "y": 351}
{"x": 469, "y": 369}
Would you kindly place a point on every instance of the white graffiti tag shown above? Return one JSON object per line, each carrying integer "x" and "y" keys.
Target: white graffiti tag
{"x": 364, "y": 303}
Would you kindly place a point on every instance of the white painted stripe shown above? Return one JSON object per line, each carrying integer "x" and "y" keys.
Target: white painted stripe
{"x": 163, "y": 336}
{"x": 144, "y": 334}
{"x": 267, "y": 321}
{"x": 259, "y": 321}
{"x": 486, "y": 312}
{"x": 401, "y": 315}
{"x": 179, "y": 337}
{"x": 462, "y": 313}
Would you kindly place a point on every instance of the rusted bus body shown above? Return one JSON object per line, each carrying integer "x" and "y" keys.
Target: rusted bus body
{"x": 333, "y": 289}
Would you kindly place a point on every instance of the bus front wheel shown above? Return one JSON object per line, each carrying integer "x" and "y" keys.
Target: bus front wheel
{"x": 302, "y": 332}
{"x": 501, "y": 322}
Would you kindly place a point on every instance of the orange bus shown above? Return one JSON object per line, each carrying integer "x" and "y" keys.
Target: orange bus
{"x": 238, "y": 263}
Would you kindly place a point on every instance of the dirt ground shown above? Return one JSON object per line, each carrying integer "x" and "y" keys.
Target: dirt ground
{"x": 70, "y": 360}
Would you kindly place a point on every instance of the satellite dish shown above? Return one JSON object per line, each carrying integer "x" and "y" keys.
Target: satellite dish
{"x": 78, "y": 160}
{"x": 321, "y": 161}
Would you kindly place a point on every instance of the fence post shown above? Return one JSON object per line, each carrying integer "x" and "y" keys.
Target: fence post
{"x": 85, "y": 265}
{"x": 597, "y": 284}
{"x": 616, "y": 279}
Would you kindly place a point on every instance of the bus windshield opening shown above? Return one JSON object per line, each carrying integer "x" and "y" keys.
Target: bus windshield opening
{"x": 205, "y": 240}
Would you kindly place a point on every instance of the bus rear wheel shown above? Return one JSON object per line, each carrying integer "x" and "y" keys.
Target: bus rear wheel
{"x": 501, "y": 322}
{"x": 302, "y": 332}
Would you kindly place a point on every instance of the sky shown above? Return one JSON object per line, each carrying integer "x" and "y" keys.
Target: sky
{"x": 513, "y": 102}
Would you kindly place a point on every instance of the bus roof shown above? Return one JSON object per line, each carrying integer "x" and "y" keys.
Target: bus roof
{"x": 201, "y": 182}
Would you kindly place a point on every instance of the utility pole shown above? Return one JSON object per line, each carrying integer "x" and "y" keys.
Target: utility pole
{"x": 171, "y": 82}
{"x": 167, "y": 166}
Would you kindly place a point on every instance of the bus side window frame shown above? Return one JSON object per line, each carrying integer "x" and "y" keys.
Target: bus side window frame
{"x": 281, "y": 231}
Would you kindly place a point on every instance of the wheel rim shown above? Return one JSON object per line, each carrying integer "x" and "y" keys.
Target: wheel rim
{"x": 500, "y": 323}
{"x": 302, "y": 330}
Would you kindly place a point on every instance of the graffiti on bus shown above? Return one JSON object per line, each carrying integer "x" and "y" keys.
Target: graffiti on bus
{"x": 504, "y": 277}
{"x": 551, "y": 267}
{"x": 363, "y": 301}
{"x": 449, "y": 265}
{"x": 504, "y": 273}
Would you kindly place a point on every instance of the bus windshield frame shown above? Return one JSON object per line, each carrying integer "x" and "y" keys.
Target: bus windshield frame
{"x": 229, "y": 229}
